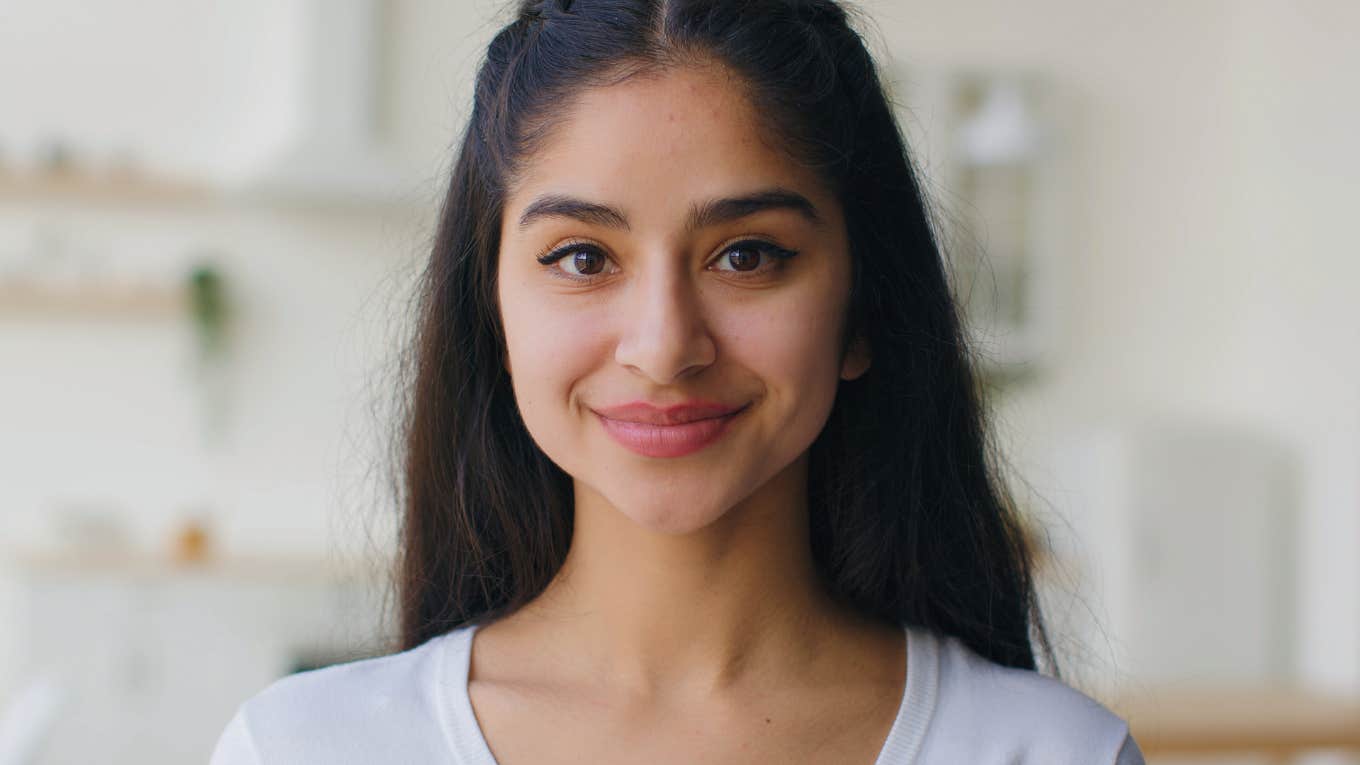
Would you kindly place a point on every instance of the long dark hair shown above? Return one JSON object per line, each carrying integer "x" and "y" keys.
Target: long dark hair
{"x": 909, "y": 519}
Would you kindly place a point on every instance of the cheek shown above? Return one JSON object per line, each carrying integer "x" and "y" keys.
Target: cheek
{"x": 548, "y": 350}
{"x": 793, "y": 344}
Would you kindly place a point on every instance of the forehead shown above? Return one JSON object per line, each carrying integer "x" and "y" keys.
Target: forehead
{"x": 655, "y": 142}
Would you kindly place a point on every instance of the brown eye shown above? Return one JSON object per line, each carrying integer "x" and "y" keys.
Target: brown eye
{"x": 584, "y": 263}
{"x": 743, "y": 259}
{"x": 576, "y": 261}
{"x": 746, "y": 257}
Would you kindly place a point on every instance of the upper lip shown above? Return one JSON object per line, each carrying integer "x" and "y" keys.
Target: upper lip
{"x": 650, "y": 414}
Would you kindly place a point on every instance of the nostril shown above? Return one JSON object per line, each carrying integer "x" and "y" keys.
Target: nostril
{"x": 666, "y": 336}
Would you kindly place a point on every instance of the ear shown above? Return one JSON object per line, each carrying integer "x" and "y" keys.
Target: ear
{"x": 856, "y": 360}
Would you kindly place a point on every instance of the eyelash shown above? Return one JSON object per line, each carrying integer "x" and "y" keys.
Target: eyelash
{"x": 778, "y": 256}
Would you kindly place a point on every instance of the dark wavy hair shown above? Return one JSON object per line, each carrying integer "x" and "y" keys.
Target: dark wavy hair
{"x": 909, "y": 520}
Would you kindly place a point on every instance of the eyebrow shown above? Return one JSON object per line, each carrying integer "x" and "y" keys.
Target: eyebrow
{"x": 709, "y": 213}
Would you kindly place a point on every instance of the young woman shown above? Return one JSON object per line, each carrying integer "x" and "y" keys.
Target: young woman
{"x": 696, "y": 468}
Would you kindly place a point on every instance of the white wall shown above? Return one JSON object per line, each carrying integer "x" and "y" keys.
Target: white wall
{"x": 178, "y": 85}
{"x": 107, "y": 409}
{"x": 1212, "y": 270}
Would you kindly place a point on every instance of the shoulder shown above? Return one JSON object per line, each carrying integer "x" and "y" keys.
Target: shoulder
{"x": 987, "y": 713}
{"x": 384, "y": 709}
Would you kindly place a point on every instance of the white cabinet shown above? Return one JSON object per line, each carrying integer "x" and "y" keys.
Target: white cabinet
{"x": 1183, "y": 539}
{"x": 154, "y": 657}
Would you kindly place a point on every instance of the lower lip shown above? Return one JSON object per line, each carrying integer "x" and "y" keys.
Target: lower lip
{"x": 668, "y": 440}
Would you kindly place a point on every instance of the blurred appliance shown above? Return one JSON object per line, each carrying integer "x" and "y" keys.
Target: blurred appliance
{"x": 28, "y": 718}
{"x": 989, "y": 145}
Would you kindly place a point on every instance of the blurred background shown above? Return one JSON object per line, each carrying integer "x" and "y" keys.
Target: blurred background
{"x": 212, "y": 215}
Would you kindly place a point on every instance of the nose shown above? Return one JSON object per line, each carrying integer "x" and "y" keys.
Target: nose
{"x": 665, "y": 336}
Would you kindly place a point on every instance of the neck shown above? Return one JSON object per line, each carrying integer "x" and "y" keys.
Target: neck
{"x": 650, "y": 613}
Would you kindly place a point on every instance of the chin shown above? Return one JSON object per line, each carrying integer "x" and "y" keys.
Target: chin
{"x": 674, "y": 510}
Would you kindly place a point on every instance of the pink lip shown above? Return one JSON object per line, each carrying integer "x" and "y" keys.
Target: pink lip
{"x": 673, "y": 431}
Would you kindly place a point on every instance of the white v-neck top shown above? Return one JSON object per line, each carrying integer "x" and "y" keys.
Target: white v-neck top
{"x": 413, "y": 708}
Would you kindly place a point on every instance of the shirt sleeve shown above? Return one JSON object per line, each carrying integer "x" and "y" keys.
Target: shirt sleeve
{"x": 1129, "y": 753}
{"x": 237, "y": 747}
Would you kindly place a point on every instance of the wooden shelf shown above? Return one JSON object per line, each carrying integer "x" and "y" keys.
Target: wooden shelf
{"x": 1202, "y": 721}
{"x": 110, "y": 189}
{"x": 95, "y": 299}
{"x": 136, "y": 192}
{"x": 138, "y": 565}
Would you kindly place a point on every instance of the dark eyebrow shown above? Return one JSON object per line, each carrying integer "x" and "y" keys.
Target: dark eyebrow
{"x": 556, "y": 206}
{"x": 734, "y": 208}
{"x": 710, "y": 213}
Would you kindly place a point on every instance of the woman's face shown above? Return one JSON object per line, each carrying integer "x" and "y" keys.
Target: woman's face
{"x": 673, "y": 290}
